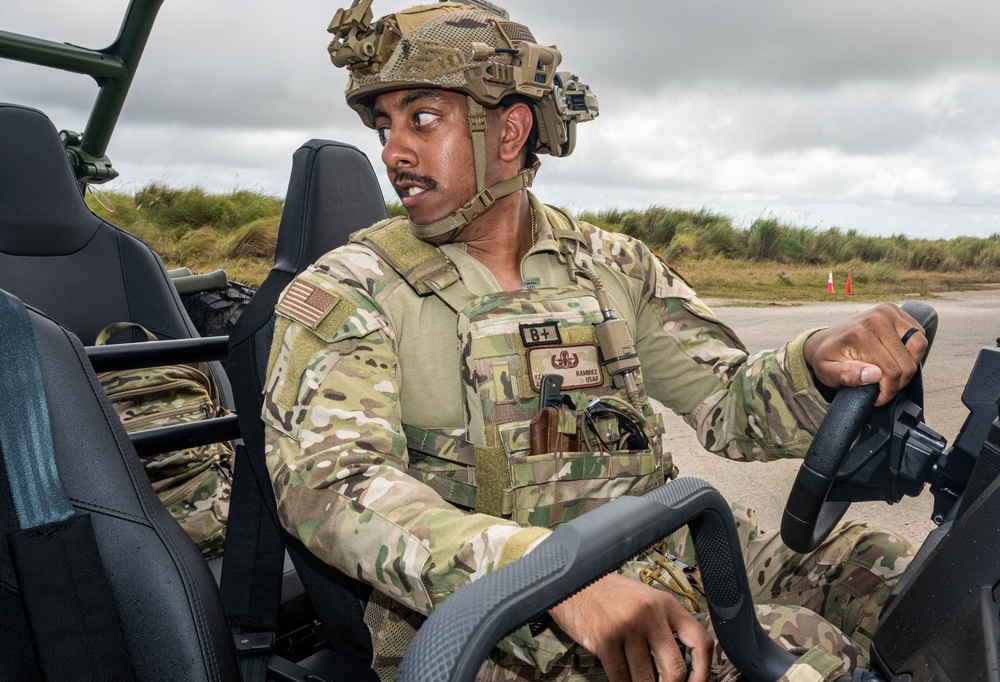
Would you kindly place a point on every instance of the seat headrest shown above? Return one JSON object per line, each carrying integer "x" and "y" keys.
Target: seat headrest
{"x": 332, "y": 192}
{"x": 41, "y": 209}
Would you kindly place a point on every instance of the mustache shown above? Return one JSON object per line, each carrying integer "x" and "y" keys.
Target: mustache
{"x": 424, "y": 181}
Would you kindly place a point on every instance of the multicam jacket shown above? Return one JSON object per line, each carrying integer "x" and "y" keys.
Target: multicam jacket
{"x": 359, "y": 358}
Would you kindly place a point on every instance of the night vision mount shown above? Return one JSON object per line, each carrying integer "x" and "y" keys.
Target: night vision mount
{"x": 355, "y": 41}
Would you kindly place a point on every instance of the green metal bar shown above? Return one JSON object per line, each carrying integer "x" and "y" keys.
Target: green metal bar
{"x": 60, "y": 56}
{"x": 113, "y": 68}
{"x": 128, "y": 48}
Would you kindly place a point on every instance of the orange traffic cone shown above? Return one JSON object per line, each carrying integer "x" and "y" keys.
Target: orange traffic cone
{"x": 829, "y": 283}
{"x": 847, "y": 289}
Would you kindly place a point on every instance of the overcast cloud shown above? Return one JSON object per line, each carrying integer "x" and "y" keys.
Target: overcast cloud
{"x": 878, "y": 116}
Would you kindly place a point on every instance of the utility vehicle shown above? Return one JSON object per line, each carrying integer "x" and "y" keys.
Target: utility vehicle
{"x": 98, "y": 583}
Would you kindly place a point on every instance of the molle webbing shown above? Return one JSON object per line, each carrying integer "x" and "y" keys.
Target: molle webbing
{"x": 481, "y": 482}
{"x": 449, "y": 448}
{"x": 444, "y": 462}
{"x": 487, "y": 468}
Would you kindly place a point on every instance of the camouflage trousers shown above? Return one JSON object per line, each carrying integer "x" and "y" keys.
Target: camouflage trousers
{"x": 826, "y": 603}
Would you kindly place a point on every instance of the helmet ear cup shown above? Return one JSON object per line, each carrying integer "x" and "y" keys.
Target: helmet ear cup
{"x": 575, "y": 103}
{"x": 570, "y": 102}
{"x": 552, "y": 131}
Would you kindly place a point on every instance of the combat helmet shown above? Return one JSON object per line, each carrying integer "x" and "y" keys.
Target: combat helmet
{"x": 473, "y": 48}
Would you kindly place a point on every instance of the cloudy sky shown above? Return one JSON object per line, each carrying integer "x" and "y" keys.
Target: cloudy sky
{"x": 882, "y": 117}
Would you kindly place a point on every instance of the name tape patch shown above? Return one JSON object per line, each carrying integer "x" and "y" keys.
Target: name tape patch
{"x": 579, "y": 365}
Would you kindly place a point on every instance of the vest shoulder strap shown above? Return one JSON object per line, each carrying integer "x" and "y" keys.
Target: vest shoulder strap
{"x": 574, "y": 246}
{"x": 563, "y": 227}
{"x": 428, "y": 271}
{"x": 359, "y": 236}
{"x": 424, "y": 267}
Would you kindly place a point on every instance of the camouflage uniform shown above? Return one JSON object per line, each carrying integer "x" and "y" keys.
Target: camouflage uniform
{"x": 194, "y": 483}
{"x": 361, "y": 363}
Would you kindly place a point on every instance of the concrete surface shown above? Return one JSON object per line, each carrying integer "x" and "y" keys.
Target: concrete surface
{"x": 967, "y": 322}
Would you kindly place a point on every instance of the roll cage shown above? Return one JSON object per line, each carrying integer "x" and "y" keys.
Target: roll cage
{"x": 112, "y": 67}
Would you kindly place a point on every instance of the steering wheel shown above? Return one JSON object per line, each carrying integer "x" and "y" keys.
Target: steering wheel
{"x": 809, "y": 516}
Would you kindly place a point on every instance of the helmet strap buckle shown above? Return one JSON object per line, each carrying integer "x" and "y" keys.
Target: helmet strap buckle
{"x": 477, "y": 121}
{"x": 486, "y": 198}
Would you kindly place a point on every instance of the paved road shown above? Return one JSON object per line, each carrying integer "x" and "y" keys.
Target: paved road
{"x": 967, "y": 322}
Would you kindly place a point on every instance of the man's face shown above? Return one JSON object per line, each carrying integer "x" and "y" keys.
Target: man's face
{"x": 427, "y": 150}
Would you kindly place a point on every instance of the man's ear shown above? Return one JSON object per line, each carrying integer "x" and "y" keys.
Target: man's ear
{"x": 516, "y": 121}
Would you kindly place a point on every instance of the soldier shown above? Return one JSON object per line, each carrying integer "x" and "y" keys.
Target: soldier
{"x": 407, "y": 442}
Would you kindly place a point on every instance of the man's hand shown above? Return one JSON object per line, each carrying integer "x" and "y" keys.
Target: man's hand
{"x": 631, "y": 627}
{"x": 866, "y": 349}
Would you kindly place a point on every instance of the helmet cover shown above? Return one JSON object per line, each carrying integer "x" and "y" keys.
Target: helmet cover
{"x": 465, "y": 48}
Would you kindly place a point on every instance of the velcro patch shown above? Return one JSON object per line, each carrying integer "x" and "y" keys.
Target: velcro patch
{"x": 540, "y": 334}
{"x": 579, "y": 365}
{"x": 515, "y": 33}
{"x": 307, "y": 303}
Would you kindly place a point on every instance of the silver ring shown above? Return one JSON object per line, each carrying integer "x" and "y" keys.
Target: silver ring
{"x": 909, "y": 332}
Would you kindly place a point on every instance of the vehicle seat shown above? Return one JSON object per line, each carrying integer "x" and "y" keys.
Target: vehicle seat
{"x": 172, "y": 617}
{"x": 332, "y": 192}
{"x": 58, "y": 256}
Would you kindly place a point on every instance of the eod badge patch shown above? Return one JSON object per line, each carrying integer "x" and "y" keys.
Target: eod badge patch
{"x": 579, "y": 365}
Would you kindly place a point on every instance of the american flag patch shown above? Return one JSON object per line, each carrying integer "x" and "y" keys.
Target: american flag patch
{"x": 307, "y": 303}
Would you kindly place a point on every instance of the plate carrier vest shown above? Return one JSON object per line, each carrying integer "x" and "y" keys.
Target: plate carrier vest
{"x": 508, "y": 341}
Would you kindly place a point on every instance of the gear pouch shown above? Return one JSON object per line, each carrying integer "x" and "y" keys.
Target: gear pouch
{"x": 508, "y": 341}
{"x": 549, "y": 488}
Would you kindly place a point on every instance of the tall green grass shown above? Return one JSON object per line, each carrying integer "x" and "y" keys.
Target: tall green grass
{"x": 703, "y": 234}
{"x": 237, "y": 231}
{"x": 197, "y": 229}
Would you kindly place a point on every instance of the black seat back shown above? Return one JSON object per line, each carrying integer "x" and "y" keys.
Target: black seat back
{"x": 58, "y": 256}
{"x": 332, "y": 192}
{"x": 172, "y": 617}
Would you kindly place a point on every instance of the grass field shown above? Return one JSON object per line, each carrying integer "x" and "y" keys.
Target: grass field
{"x": 766, "y": 261}
{"x": 764, "y": 281}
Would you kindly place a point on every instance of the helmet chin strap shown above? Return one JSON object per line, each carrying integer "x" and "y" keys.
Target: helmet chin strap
{"x": 485, "y": 196}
